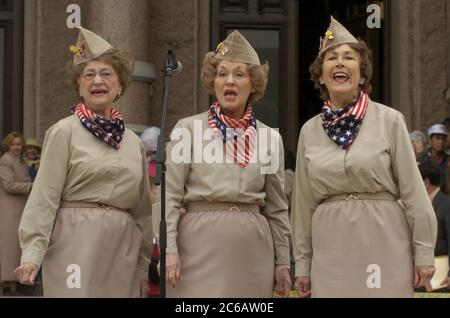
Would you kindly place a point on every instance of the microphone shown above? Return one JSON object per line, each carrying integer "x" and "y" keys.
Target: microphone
{"x": 178, "y": 69}
{"x": 172, "y": 63}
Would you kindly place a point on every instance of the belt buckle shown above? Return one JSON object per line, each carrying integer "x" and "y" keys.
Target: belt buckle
{"x": 234, "y": 208}
{"x": 104, "y": 206}
{"x": 354, "y": 196}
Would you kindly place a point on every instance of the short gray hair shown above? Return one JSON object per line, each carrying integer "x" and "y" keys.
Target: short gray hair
{"x": 416, "y": 134}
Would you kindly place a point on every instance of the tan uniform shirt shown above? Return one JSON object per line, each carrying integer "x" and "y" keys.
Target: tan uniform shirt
{"x": 77, "y": 166}
{"x": 289, "y": 183}
{"x": 381, "y": 159}
{"x": 227, "y": 182}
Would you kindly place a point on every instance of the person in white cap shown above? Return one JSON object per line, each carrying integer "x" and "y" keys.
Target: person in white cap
{"x": 88, "y": 218}
{"x": 354, "y": 161}
{"x": 437, "y": 137}
{"x": 32, "y": 156}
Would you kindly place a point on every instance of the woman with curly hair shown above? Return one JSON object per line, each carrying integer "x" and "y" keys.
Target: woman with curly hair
{"x": 354, "y": 161}
{"x": 233, "y": 241}
{"x": 88, "y": 218}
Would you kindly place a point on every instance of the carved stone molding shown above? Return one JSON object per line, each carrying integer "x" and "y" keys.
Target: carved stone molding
{"x": 240, "y": 6}
{"x": 271, "y": 6}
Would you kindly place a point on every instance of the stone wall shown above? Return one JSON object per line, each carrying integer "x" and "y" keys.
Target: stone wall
{"x": 184, "y": 25}
{"x": 47, "y": 96}
{"x": 143, "y": 27}
{"x": 419, "y": 52}
{"x": 419, "y": 70}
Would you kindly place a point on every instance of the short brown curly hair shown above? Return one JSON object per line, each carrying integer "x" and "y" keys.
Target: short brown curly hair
{"x": 258, "y": 76}
{"x": 365, "y": 66}
{"x": 123, "y": 65}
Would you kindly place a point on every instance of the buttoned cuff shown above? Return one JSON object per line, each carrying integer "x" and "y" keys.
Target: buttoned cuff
{"x": 172, "y": 244}
{"x": 303, "y": 268}
{"x": 32, "y": 256}
{"x": 423, "y": 256}
{"x": 282, "y": 255}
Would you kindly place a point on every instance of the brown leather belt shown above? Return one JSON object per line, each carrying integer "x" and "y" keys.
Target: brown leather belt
{"x": 203, "y": 206}
{"x": 386, "y": 196}
{"x": 77, "y": 204}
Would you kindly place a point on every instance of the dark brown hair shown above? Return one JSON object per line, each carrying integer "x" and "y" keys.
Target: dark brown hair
{"x": 365, "y": 65}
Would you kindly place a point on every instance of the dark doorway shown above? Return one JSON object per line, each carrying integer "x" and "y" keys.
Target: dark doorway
{"x": 314, "y": 18}
{"x": 286, "y": 33}
{"x": 271, "y": 28}
{"x": 11, "y": 66}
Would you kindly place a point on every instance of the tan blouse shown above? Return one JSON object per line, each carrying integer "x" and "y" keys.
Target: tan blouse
{"x": 77, "y": 166}
{"x": 227, "y": 182}
{"x": 381, "y": 159}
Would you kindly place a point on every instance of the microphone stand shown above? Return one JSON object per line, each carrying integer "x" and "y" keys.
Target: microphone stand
{"x": 169, "y": 65}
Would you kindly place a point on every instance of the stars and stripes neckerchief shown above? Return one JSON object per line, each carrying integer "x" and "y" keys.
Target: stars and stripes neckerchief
{"x": 110, "y": 131}
{"x": 238, "y": 135}
{"x": 342, "y": 125}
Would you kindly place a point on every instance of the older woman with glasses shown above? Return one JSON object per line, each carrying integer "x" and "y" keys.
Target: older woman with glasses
{"x": 88, "y": 219}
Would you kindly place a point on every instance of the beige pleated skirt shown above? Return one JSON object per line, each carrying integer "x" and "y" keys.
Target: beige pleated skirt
{"x": 224, "y": 255}
{"x": 93, "y": 252}
{"x": 361, "y": 248}
{"x": 10, "y": 251}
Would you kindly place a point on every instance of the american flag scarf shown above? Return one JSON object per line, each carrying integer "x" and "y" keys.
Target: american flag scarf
{"x": 239, "y": 136}
{"x": 342, "y": 125}
{"x": 110, "y": 131}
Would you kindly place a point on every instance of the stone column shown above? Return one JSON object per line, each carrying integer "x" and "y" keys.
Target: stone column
{"x": 125, "y": 24}
{"x": 447, "y": 95}
{"x": 185, "y": 26}
{"x": 419, "y": 49}
{"x": 47, "y": 96}
{"x": 432, "y": 60}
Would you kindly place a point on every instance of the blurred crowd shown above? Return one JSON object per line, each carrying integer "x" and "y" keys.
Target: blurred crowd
{"x": 19, "y": 165}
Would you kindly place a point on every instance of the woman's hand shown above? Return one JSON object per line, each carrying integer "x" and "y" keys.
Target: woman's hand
{"x": 303, "y": 286}
{"x": 26, "y": 273}
{"x": 283, "y": 280}
{"x": 422, "y": 274}
{"x": 172, "y": 268}
{"x": 182, "y": 211}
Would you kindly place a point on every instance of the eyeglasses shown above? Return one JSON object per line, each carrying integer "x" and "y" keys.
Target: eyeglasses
{"x": 236, "y": 74}
{"x": 105, "y": 75}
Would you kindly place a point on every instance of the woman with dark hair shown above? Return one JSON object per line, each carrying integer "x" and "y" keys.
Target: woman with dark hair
{"x": 88, "y": 218}
{"x": 355, "y": 160}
